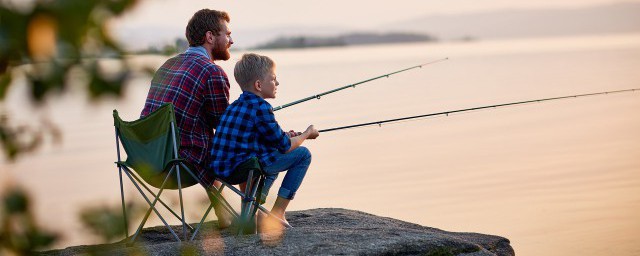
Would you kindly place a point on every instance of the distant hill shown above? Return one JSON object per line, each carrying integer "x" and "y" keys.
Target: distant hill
{"x": 343, "y": 40}
{"x": 611, "y": 18}
{"x": 614, "y": 18}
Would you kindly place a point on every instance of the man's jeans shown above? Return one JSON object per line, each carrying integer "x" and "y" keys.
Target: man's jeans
{"x": 296, "y": 164}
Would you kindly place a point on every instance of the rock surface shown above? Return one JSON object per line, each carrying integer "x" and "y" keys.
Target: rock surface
{"x": 326, "y": 231}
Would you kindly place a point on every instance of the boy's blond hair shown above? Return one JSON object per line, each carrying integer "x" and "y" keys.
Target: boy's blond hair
{"x": 252, "y": 67}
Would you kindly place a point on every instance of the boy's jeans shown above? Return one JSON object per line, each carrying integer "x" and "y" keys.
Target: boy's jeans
{"x": 296, "y": 164}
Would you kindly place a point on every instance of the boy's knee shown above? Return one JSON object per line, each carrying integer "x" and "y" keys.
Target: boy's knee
{"x": 304, "y": 151}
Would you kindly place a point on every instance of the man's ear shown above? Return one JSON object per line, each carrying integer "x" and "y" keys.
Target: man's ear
{"x": 210, "y": 37}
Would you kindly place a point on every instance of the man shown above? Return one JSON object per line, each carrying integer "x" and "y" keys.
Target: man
{"x": 198, "y": 90}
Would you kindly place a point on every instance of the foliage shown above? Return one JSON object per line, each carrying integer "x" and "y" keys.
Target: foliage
{"x": 107, "y": 221}
{"x": 48, "y": 41}
{"x": 19, "y": 233}
{"x": 51, "y": 43}
{"x": 344, "y": 40}
{"x": 180, "y": 45}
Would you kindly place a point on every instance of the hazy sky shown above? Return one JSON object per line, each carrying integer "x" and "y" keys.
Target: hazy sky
{"x": 162, "y": 18}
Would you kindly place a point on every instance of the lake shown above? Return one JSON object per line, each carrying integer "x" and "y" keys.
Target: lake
{"x": 556, "y": 178}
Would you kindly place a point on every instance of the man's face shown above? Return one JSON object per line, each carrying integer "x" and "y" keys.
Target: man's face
{"x": 222, "y": 42}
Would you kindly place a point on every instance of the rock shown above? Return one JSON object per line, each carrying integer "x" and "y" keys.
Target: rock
{"x": 326, "y": 231}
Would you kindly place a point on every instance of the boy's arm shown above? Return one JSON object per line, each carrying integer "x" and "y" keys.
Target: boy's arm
{"x": 269, "y": 131}
{"x": 310, "y": 133}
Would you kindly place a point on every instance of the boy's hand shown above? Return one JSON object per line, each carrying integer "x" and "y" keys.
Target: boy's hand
{"x": 312, "y": 132}
{"x": 293, "y": 133}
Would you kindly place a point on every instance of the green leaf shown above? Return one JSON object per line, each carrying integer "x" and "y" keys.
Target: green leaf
{"x": 15, "y": 202}
{"x": 5, "y": 81}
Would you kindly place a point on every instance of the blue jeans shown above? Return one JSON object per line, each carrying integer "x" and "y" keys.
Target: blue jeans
{"x": 296, "y": 164}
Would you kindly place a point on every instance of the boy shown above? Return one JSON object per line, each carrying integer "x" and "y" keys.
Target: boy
{"x": 248, "y": 129}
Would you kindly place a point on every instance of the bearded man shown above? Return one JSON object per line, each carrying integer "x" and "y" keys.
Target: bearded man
{"x": 198, "y": 90}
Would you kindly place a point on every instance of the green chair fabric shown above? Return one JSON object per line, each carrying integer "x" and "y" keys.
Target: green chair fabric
{"x": 151, "y": 144}
{"x": 148, "y": 143}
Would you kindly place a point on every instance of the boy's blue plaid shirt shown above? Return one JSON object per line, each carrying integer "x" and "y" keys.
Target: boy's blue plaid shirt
{"x": 247, "y": 128}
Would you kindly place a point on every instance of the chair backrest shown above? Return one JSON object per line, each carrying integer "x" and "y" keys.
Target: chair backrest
{"x": 149, "y": 144}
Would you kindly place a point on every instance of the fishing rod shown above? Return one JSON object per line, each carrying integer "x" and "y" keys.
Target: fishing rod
{"x": 317, "y": 96}
{"x": 446, "y": 113}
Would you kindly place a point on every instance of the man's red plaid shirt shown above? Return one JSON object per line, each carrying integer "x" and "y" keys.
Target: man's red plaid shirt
{"x": 199, "y": 91}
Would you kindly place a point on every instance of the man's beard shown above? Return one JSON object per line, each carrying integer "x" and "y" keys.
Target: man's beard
{"x": 220, "y": 52}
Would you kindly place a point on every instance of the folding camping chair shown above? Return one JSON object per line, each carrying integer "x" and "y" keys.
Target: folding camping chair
{"x": 250, "y": 172}
{"x": 151, "y": 144}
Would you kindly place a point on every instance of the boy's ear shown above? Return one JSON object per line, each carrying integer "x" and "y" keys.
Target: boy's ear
{"x": 257, "y": 85}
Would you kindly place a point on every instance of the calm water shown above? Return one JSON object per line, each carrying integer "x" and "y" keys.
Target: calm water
{"x": 557, "y": 178}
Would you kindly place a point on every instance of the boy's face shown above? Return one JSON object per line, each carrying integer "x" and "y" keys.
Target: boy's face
{"x": 269, "y": 85}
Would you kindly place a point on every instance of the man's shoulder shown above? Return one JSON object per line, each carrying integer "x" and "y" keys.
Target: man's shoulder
{"x": 194, "y": 60}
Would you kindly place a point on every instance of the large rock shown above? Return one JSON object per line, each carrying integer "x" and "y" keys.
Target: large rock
{"x": 316, "y": 232}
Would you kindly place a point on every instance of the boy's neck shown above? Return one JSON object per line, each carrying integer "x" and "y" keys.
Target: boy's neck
{"x": 255, "y": 92}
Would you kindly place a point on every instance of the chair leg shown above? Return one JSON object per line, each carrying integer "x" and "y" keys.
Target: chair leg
{"x": 257, "y": 194}
{"x": 224, "y": 202}
{"x": 184, "y": 222}
{"x": 124, "y": 208}
{"x": 273, "y": 216}
{"x": 216, "y": 193}
{"x": 201, "y": 221}
{"x": 152, "y": 207}
{"x": 245, "y": 221}
{"x": 160, "y": 201}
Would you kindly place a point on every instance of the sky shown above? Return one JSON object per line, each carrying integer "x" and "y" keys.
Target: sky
{"x": 164, "y": 19}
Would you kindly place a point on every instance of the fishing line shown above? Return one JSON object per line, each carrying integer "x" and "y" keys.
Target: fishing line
{"x": 447, "y": 113}
{"x": 318, "y": 96}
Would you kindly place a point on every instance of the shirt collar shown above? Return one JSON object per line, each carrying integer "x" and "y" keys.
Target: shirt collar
{"x": 252, "y": 96}
{"x": 198, "y": 50}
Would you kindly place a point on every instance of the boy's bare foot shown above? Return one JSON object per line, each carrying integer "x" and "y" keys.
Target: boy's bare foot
{"x": 268, "y": 223}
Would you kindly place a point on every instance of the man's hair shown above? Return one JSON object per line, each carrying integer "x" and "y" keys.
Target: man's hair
{"x": 250, "y": 68}
{"x": 202, "y": 21}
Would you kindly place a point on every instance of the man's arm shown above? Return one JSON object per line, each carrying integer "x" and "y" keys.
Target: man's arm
{"x": 216, "y": 95}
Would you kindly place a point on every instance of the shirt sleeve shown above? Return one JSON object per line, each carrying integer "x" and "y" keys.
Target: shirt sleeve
{"x": 269, "y": 130}
{"x": 216, "y": 95}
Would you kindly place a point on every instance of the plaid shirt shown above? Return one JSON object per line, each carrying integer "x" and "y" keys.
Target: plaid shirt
{"x": 248, "y": 128}
{"x": 199, "y": 91}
